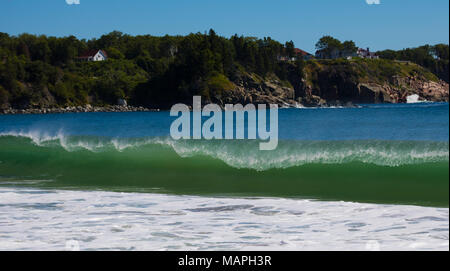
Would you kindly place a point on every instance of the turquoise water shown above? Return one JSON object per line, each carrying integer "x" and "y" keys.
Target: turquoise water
{"x": 375, "y": 153}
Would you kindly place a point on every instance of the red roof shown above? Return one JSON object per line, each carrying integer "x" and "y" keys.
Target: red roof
{"x": 301, "y": 52}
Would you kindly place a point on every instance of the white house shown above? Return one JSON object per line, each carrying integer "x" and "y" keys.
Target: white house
{"x": 366, "y": 53}
{"x": 336, "y": 53}
{"x": 93, "y": 55}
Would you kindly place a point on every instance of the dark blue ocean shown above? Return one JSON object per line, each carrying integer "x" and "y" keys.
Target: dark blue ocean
{"x": 419, "y": 122}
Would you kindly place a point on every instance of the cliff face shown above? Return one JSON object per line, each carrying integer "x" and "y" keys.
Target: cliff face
{"x": 341, "y": 83}
{"x": 319, "y": 83}
{"x": 426, "y": 89}
{"x": 249, "y": 88}
{"x": 373, "y": 92}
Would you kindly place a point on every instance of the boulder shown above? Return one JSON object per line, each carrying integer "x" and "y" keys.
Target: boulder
{"x": 372, "y": 93}
{"x": 122, "y": 102}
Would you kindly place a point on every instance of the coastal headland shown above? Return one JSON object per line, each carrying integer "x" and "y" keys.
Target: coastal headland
{"x": 123, "y": 73}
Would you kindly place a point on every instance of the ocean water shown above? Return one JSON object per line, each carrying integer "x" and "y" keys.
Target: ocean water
{"x": 371, "y": 177}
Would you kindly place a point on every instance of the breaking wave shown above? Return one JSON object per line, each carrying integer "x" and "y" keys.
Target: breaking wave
{"x": 403, "y": 172}
{"x": 246, "y": 154}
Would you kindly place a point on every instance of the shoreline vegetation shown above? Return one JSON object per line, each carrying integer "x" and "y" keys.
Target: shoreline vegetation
{"x": 40, "y": 74}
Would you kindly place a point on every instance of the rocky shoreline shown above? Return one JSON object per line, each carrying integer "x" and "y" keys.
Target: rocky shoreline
{"x": 341, "y": 92}
{"x": 320, "y": 84}
{"x": 77, "y": 109}
{"x": 119, "y": 109}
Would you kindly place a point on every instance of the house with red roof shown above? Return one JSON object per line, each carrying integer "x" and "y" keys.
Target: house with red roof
{"x": 93, "y": 55}
{"x": 302, "y": 54}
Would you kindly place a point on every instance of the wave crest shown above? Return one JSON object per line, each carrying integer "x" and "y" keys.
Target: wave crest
{"x": 246, "y": 154}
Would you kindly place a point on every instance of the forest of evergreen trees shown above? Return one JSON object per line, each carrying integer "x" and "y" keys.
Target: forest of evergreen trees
{"x": 144, "y": 69}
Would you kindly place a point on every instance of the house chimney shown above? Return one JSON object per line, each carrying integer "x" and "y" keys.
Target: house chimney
{"x": 368, "y": 49}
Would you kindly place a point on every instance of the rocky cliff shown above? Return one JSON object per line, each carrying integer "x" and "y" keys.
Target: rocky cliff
{"x": 340, "y": 83}
{"x": 250, "y": 88}
{"x": 318, "y": 83}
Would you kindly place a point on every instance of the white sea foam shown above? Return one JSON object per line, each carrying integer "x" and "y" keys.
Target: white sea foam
{"x": 58, "y": 220}
{"x": 412, "y": 99}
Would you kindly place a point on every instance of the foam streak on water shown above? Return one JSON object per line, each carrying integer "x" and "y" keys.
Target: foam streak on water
{"x": 55, "y": 220}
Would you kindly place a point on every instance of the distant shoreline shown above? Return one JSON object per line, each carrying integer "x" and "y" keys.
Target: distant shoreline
{"x": 123, "y": 109}
{"x": 127, "y": 108}
{"x": 77, "y": 109}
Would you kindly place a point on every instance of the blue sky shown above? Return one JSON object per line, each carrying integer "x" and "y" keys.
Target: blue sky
{"x": 393, "y": 24}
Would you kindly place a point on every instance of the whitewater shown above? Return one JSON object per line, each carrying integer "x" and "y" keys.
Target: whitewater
{"x": 33, "y": 219}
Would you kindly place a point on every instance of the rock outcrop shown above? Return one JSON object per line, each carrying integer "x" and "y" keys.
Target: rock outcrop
{"x": 349, "y": 83}
{"x": 342, "y": 90}
{"x": 252, "y": 89}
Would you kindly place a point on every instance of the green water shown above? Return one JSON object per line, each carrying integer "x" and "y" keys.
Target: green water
{"x": 218, "y": 169}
